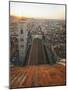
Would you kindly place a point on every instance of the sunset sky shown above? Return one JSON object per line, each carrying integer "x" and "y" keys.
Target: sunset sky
{"x": 33, "y": 10}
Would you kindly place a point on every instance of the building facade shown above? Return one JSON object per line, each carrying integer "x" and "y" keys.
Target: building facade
{"x": 22, "y": 40}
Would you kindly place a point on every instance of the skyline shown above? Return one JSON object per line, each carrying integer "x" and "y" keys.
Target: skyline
{"x": 34, "y": 10}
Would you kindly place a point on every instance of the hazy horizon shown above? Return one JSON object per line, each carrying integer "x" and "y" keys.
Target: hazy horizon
{"x": 23, "y": 17}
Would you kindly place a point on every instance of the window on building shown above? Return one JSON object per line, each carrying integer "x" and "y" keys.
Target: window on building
{"x": 22, "y": 39}
{"x": 22, "y": 45}
{"x": 21, "y": 31}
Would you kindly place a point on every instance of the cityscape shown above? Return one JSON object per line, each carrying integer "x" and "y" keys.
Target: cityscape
{"x": 22, "y": 32}
{"x": 37, "y": 52}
